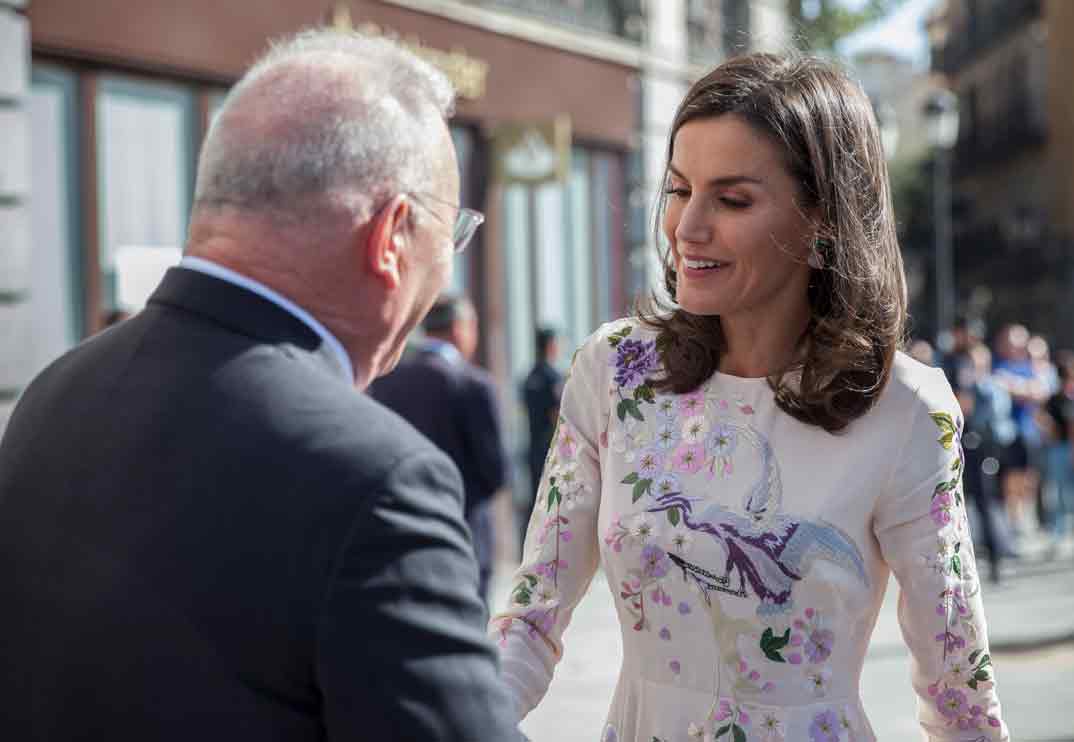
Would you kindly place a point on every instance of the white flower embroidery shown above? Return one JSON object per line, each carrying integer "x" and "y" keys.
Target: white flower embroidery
{"x": 682, "y": 540}
{"x": 694, "y": 429}
{"x": 819, "y": 681}
{"x": 544, "y": 592}
{"x": 771, "y": 728}
{"x": 641, "y": 527}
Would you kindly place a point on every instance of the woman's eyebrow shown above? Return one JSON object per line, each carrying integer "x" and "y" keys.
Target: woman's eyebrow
{"x": 723, "y": 180}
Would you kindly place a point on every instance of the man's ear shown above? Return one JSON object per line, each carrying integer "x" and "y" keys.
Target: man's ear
{"x": 385, "y": 241}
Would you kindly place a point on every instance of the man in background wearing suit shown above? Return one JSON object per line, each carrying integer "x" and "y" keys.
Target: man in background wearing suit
{"x": 444, "y": 395}
{"x": 206, "y": 531}
{"x": 541, "y": 391}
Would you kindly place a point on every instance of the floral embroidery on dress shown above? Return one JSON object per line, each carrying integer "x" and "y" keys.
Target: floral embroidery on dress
{"x": 539, "y": 590}
{"x": 965, "y": 665}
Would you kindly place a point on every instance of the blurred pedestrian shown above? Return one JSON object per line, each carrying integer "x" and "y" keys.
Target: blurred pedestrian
{"x": 206, "y": 532}
{"x": 1014, "y": 370}
{"x": 453, "y": 403}
{"x": 750, "y": 463}
{"x": 1057, "y": 423}
{"x": 921, "y": 351}
{"x": 540, "y": 392}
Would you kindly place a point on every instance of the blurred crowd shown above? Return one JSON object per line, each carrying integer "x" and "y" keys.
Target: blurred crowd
{"x": 1017, "y": 398}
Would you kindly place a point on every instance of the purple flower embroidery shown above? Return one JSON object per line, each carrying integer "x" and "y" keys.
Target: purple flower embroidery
{"x": 818, "y": 647}
{"x": 951, "y": 703}
{"x": 633, "y": 360}
{"x": 941, "y": 509}
{"x": 825, "y": 727}
{"x": 654, "y": 561}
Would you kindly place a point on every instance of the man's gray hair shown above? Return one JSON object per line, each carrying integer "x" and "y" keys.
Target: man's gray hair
{"x": 331, "y": 115}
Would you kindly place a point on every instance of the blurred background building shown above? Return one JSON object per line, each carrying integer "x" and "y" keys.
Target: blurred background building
{"x": 1008, "y": 61}
{"x": 563, "y": 112}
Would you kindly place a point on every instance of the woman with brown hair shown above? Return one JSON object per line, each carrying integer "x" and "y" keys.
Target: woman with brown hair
{"x": 749, "y": 461}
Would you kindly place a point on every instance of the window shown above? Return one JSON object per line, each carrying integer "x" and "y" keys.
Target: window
{"x": 145, "y": 160}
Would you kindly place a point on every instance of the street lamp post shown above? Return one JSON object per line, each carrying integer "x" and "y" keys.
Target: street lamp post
{"x": 941, "y": 117}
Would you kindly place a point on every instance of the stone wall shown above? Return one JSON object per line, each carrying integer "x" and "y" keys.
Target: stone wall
{"x": 14, "y": 201}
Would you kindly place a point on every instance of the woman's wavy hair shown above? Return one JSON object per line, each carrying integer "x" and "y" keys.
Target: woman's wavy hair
{"x": 826, "y": 126}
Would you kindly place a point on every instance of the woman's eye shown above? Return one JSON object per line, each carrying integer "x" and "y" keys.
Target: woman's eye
{"x": 677, "y": 192}
{"x": 734, "y": 203}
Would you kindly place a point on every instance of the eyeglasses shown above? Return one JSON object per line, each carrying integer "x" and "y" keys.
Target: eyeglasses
{"x": 466, "y": 220}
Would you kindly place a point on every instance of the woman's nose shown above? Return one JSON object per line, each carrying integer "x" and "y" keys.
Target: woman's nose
{"x": 693, "y": 223}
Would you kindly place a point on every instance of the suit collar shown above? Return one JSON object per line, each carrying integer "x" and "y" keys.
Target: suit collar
{"x": 226, "y": 274}
{"x": 243, "y": 311}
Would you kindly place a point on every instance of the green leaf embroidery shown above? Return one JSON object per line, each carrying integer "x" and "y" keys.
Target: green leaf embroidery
{"x": 771, "y": 644}
{"x": 947, "y": 428}
{"x": 956, "y": 565}
{"x": 630, "y": 478}
{"x": 958, "y": 545}
{"x": 621, "y": 409}
{"x": 553, "y": 498}
{"x": 722, "y": 731}
{"x": 740, "y": 734}
{"x": 974, "y": 655}
{"x": 640, "y": 488}
{"x": 673, "y": 516}
{"x": 981, "y": 675}
{"x": 644, "y": 393}
{"x": 634, "y": 410}
{"x": 619, "y": 336}
{"x": 972, "y": 683}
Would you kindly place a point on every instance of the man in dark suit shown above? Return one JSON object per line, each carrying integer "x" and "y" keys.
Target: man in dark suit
{"x": 443, "y": 394}
{"x": 206, "y": 531}
{"x": 541, "y": 392}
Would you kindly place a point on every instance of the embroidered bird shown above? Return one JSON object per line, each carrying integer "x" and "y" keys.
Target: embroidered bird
{"x": 767, "y": 557}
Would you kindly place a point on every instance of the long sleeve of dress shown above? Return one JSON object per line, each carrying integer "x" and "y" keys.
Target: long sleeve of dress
{"x": 924, "y": 536}
{"x": 560, "y": 554}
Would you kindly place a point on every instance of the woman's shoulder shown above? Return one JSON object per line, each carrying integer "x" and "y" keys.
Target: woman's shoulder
{"x": 915, "y": 388}
{"x": 618, "y": 336}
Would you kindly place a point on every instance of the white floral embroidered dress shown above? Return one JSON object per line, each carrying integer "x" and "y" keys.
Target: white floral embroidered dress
{"x": 748, "y": 554}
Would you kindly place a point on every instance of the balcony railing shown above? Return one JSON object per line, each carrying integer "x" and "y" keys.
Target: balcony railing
{"x": 1022, "y": 126}
{"x": 619, "y": 18}
{"x": 967, "y": 41}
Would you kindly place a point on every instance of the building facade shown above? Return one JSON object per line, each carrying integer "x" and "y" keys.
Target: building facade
{"x": 561, "y": 125}
{"x": 1013, "y": 180}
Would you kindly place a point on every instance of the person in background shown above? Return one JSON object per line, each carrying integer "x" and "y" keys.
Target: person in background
{"x": 921, "y": 351}
{"x": 540, "y": 392}
{"x": 1056, "y": 420}
{"x": 454, "y": 404}
{"x": 751, "y": 462}
{"x": 1014, "y": 370}
{"x": 207, "y": 530}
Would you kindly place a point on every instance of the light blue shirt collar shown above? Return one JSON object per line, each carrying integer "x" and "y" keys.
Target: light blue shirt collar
{"x": 442, "y": 348}
{"x": 226, "y": 274}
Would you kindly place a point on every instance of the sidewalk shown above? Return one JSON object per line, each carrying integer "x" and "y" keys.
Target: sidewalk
{"x": 1031, "y": 629}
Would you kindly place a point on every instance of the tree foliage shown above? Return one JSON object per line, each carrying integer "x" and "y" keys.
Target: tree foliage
{"x": 819, "y": 24}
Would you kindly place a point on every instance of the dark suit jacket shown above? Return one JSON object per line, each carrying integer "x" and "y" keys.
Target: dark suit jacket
{"x": 207, "y": 534}
{"x": 454, "y": 404}
{"x": 541, "y": 391}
